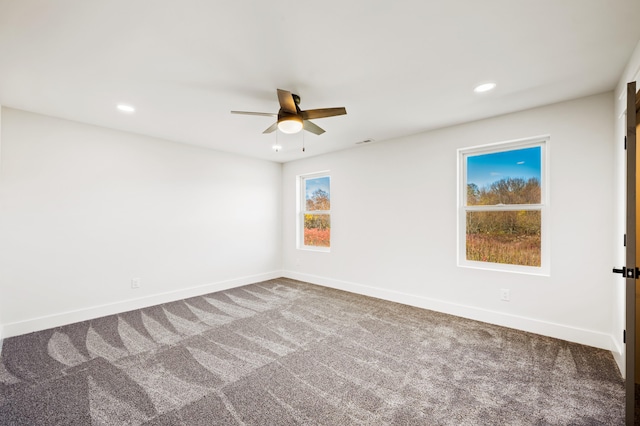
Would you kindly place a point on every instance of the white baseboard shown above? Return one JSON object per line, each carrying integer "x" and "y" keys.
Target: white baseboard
{"x": 618, "y": 355}
{"x": 63, "y": 318}
{"x": 532, "y": 325}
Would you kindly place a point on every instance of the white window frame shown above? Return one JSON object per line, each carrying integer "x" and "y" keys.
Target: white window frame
{"x": 543, "y": 207}
{"x": 302, "y": 204}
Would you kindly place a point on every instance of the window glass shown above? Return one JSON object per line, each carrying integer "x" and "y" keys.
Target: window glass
{"x": 510, "y": 237}
{"x": 507, "y": 177}
{"x": 316, "y": 192}
{"x": 317, "y": 230}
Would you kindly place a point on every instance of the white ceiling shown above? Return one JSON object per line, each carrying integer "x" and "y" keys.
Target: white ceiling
{"x": 399, "y": 67}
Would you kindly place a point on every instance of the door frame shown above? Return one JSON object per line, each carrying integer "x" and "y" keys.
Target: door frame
{"x": 632, "y": 269}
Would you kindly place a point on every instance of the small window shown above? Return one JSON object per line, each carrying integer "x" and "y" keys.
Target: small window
{"x": 314, "y": 219}
{"x": 503, "y": 207}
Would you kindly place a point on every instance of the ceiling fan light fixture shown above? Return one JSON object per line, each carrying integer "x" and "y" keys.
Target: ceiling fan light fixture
{"x": 291, "y": 124}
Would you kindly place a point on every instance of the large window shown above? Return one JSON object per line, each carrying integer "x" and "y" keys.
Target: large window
{"x": 503, "y": 207}
{"x": 314, "y": 219}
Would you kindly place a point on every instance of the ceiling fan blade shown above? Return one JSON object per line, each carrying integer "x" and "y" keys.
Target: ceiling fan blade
{"x": 310, "y": 127}
{"x": 266, "y": 114}
{"x": 271, "y": 128}
{"x": 322, "y": 112}
{"x": 286, "y": 101}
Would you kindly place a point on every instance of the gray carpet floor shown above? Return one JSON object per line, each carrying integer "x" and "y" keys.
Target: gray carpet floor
{"x": 284, "y": 352}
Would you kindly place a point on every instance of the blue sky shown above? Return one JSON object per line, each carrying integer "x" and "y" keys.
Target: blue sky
{"x": 485, "y": 169}
{"x": 317, "y": 183}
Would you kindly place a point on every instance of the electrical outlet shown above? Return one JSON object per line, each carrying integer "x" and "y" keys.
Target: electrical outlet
{"x": 504, "y": 294}
{"x": 135, "y": 282}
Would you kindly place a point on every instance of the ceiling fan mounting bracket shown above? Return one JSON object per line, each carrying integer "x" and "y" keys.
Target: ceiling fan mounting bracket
{"x": 284, "y": 115}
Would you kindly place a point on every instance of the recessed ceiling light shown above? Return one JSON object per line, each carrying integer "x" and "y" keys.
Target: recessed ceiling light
{"x": 126, "y": 108}
{"x": 485, "y": 87}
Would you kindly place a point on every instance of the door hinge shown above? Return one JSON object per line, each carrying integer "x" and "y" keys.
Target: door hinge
{"x": 625, "y": 240}
{"x": 624, "y": 336}
{"x": 625, "y": 142}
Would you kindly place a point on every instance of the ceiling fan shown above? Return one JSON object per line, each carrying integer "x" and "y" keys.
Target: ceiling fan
{"x": 291, "y": 119}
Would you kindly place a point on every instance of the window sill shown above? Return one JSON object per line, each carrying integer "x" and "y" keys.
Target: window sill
{"x": 499, "y": 267}
{"x": 318, "y": 249}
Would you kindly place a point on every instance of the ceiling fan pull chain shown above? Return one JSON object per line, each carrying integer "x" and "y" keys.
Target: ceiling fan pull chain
{"x": 302, "y": 141}
{"x": 277, "y": 146}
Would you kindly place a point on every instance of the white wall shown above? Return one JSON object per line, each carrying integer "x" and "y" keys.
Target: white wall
{"x": 631, "y": 73}
{"x": 394, "y": 224}
{"x": 84, "y": 209}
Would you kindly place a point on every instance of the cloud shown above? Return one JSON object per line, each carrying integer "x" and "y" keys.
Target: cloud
{"x": 520, "y": 162}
